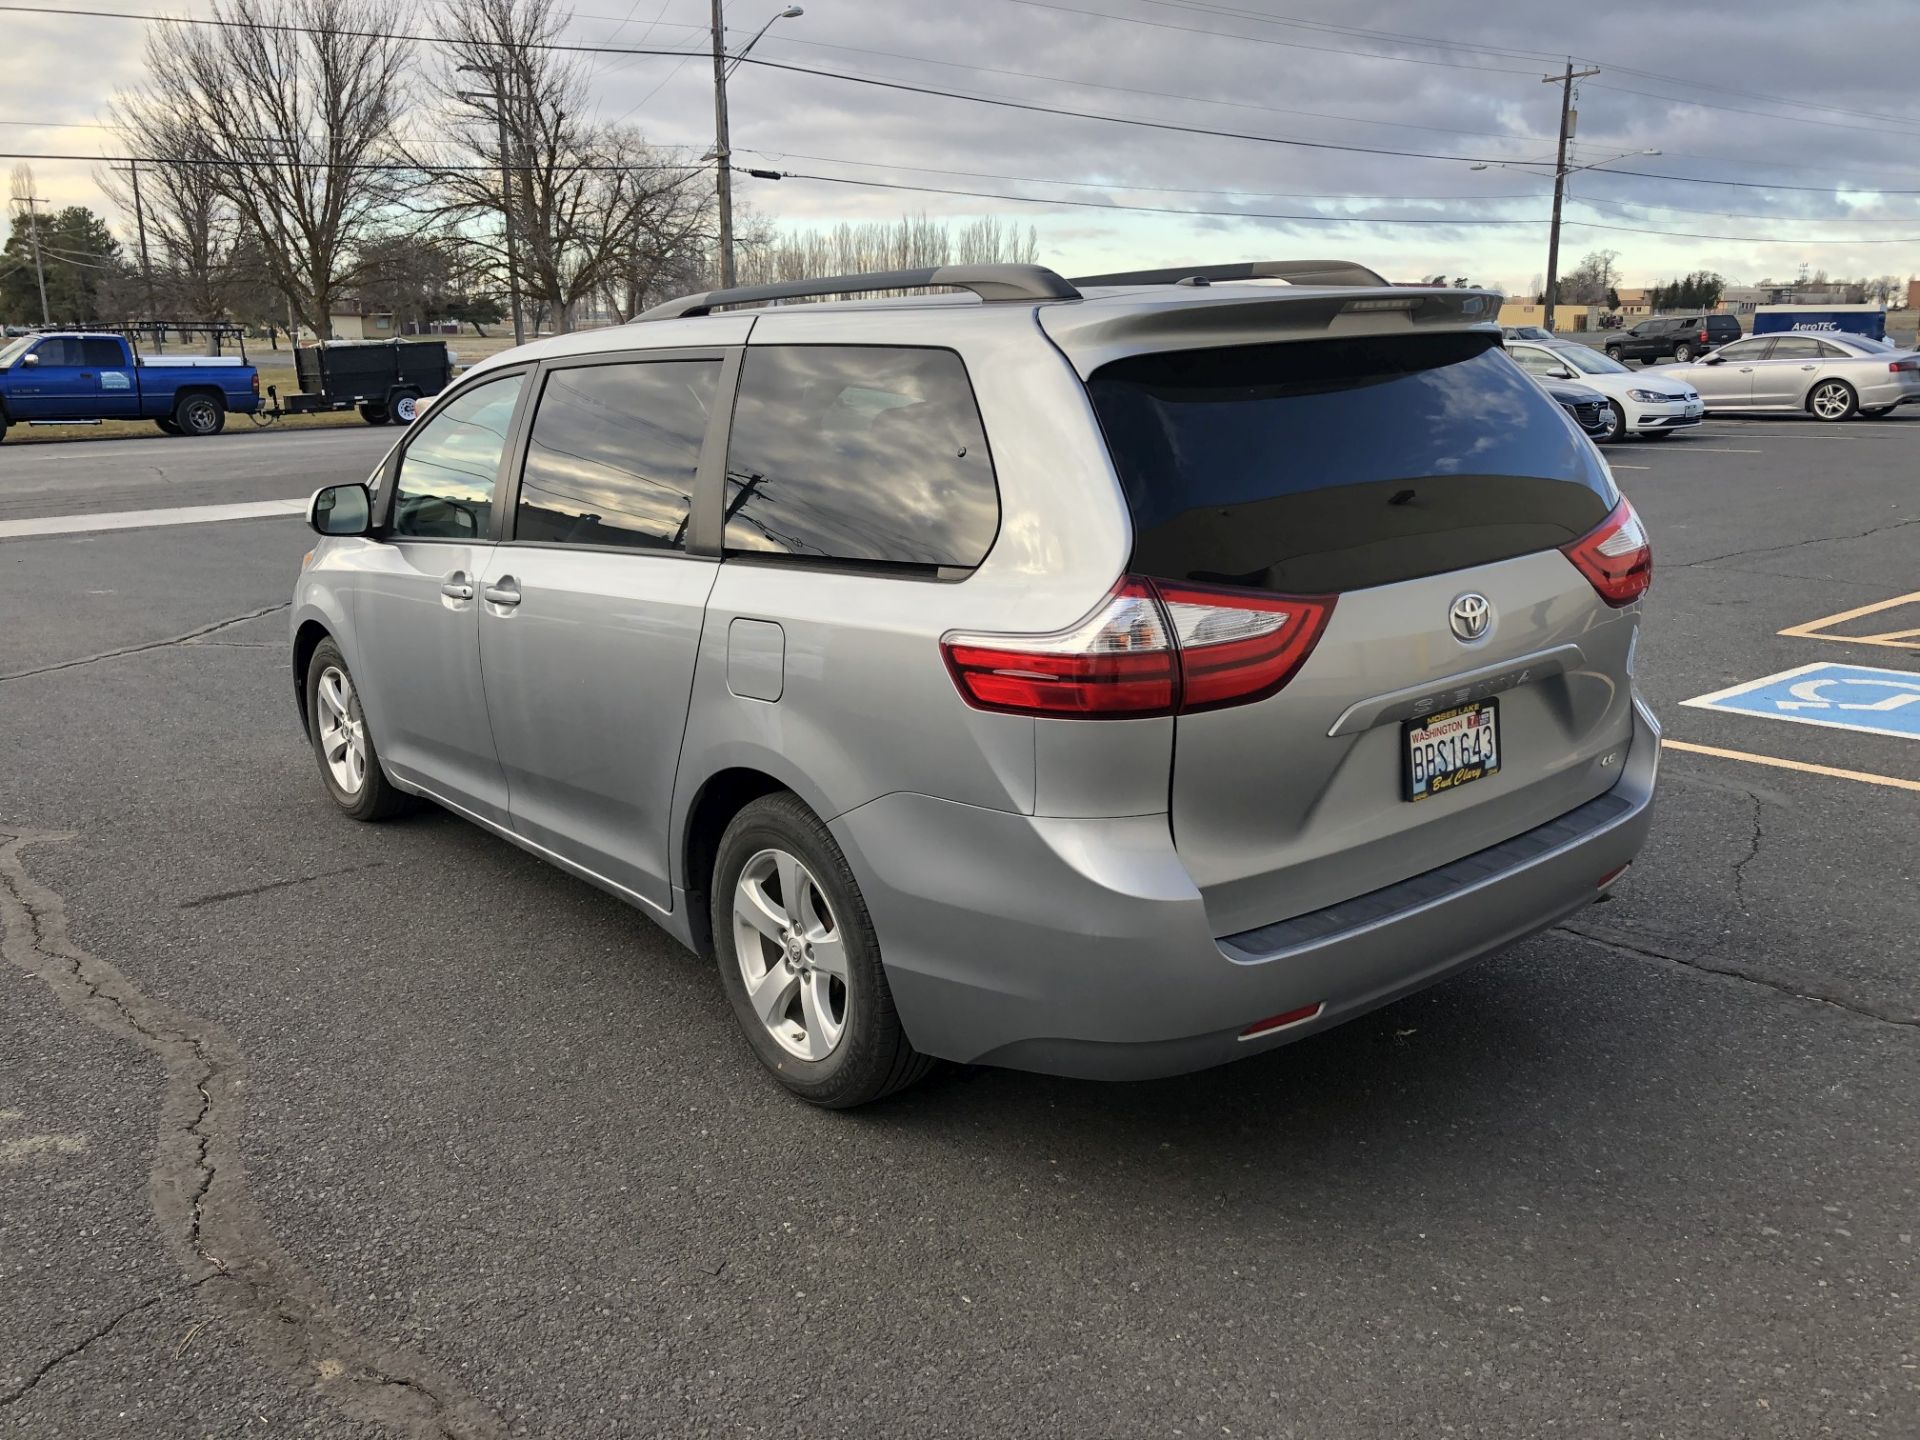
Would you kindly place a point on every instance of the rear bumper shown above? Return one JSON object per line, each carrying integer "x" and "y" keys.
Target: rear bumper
{"x": 1081, "y": 947}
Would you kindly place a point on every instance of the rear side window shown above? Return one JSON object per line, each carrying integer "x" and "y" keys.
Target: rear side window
{"x": 613, "y": 453}
{"x": 1332, "y": 465}
{"x": 868, "y": 455}
{"x": 1797, "y": 347}
{"x": 101, "y": 354}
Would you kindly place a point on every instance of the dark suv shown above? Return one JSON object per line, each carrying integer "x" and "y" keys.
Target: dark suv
{"x": 1677, "y": 337}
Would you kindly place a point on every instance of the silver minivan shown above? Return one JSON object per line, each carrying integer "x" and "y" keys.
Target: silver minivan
{"x": 1109, "y": 677}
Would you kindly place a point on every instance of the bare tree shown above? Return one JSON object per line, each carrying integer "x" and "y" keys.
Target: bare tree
{"x": 298, "y": 105}
{"x": 190, "y": 222}
{"x": 594, "y": 208}
{"x": 909, "y": 243}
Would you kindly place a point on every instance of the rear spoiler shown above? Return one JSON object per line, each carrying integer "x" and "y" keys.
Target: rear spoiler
{"x": 1093, "y": 334}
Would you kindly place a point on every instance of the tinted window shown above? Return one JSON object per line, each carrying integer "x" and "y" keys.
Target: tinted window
{"x": 613, "y": 453}
{"x": 859, "y": 453}
{"x": 1337, "y": 464}
{"x": 101, "y": 355}
{"x": 59, "y": 351}
{"x": 447, "y": 475}
{"x": 1746, "y": 351}
{"x": 1795, "y": 347}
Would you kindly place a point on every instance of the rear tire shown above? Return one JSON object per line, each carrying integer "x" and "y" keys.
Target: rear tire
{"x": 802, "y": 970}
{"x": 374, "y": 414}
{"x": 200, "y": 415}
{"x": 1614, "y": 352}
{"x": 343, "y": 742}
{"x": 1833, "y": 401}
{"x": 1683, "y": 352}
{"x": 405, "y": 408}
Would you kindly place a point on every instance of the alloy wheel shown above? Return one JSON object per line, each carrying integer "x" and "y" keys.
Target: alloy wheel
{"x": 792, "y": 958}
{"x": 1832, "y": 400}
{"x": 198, "y": 417}
{"x": 343, "y": 730}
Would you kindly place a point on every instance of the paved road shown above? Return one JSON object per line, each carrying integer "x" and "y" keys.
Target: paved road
{"x": 109, "y": 475}
{"x": 321, "y": 1129}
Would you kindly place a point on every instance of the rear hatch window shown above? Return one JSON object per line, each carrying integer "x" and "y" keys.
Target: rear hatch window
{"x": 1315, "y": 467}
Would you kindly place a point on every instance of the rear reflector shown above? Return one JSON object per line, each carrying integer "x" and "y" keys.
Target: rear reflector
{"x": 1616, "y": 556}
{"x": 1152, "y": 647}
{"x": 1261, "y": 1028}
{"x": 1611, "y": 876}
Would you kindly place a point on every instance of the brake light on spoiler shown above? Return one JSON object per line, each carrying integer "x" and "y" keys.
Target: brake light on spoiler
{"x": 1152, "y": 647}
{"x": 1615, "y": 556}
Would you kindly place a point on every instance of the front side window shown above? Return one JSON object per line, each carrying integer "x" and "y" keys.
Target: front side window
{"x": 59, "y": 352}
{"x": 1746, "y": 351}
{"x": 448, "y": 472}
{"x": 1538, "y": 362}
{"x": 866, "y": 454}
{"x": 613, "y": 453}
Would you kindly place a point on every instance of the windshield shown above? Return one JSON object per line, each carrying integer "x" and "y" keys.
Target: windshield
{"x": 15, "y": 349}
{"x": 1589, "y": 362}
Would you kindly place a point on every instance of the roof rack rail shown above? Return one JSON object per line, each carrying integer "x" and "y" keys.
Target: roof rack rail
{"x": 989, "y": 282}
{"x": 1298, "y": 272}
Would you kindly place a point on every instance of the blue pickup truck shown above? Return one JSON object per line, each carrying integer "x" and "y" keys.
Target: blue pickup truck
{"x": 79, "y": 379}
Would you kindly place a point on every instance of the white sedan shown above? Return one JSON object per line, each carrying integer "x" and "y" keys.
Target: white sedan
{"x": 1642, "y": 402}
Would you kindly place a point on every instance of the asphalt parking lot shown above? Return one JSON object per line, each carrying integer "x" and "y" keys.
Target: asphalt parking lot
{"x": 323, "y": 1129}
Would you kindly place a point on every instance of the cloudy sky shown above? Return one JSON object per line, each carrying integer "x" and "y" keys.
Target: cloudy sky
{"x": 1814, "y": 111}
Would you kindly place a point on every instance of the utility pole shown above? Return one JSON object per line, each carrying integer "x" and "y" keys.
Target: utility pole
{"x": 1565, "y": 82}
{"x": 132, "y": 168}
{"x": 722, "y": 151}
{"x": 39, "y": 271}
{"x": 506, "y": 191}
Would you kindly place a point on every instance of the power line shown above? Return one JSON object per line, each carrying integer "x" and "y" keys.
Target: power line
{"x": 1878, "y": 129}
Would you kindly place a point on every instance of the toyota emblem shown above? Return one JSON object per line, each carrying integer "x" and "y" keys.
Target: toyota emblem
{"x": 1471, "y": 618}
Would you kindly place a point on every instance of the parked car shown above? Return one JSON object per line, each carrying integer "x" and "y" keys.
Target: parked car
{"x": 965, "y": 677}
{"x": 1831, "y": 377}
{"x": 1677, "y": 337}
{"x": 1586, "y": 408}
{"x": 1637, "y": 403}
{"x": 81, "y": 379}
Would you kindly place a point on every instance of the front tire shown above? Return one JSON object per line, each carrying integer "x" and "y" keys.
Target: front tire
{"x": 799, "y": 961}
{"x": 1833, "y": 400}
{"x": 343, "y": 742}
{"x": 200, "y": 415}
{"x": 1616, "y": 427}
{"x": 405, "y": 408}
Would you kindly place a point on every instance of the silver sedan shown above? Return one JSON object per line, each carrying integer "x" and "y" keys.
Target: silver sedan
{"x": 1831, "y": 377}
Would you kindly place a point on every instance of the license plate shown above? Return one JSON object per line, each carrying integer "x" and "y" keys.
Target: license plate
{"x": 1452, "y": 748}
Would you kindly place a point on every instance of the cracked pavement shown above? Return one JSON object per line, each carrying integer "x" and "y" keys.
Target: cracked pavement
{"x": 319, "y": 1129}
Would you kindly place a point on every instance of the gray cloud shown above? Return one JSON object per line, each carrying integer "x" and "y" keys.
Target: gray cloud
{"x": 61, "y": 68}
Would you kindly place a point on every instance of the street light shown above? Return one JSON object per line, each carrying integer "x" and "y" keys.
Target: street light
{"x": 722, "y": 150}
{"x": 506, "y": 187}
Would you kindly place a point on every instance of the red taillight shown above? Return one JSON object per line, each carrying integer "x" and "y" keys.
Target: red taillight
{"x": 1617, "y": 557}
{"x": 1703, "y": 337}
{"x": 1151, "y": 648}
{"x": 1912, "y": 362}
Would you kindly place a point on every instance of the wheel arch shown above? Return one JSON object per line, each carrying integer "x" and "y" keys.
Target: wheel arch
{"x": 711, "y": 808}
{"x": 306, "y": 639}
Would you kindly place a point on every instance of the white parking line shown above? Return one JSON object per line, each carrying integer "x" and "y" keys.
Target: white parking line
{"x": 140, "y": 519}
{"x": 1714, "y": 450}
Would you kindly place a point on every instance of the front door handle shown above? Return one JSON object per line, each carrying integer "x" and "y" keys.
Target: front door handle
{"x": 504, "y": 591}
{"x": 456, "y": 586}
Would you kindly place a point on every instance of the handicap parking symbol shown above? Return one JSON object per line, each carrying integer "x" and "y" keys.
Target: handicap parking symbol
{"x": 1840, "y": 697}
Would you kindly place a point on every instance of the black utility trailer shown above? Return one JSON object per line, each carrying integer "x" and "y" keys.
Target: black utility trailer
{"x": 385, "y": 379}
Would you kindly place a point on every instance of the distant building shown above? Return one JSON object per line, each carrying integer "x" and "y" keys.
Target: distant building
{"x": 1565, "y": 317}
{"x": 355, "y": 320}
{"x": 1635, "y": 302}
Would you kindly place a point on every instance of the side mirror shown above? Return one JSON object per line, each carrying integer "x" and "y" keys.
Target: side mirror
{"x": 341, "y": 510}
{"x": 1712, "y": 358}
{"x": 30, "y": 359}
{"x": 1560, "y": 372}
